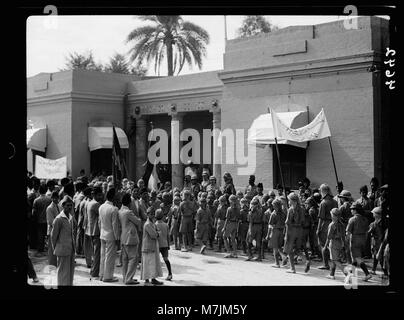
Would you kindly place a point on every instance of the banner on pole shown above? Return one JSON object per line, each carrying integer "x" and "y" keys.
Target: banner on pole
{"x": 50, "y": 169}
{"x": 315, "y": 130}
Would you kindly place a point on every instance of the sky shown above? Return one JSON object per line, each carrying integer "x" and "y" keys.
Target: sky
{"x": 51, "y": 38}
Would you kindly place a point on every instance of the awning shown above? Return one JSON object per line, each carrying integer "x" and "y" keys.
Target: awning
{"x": 36, "y": 139}
{"x": 101, "y": 138}
{"x": 261, "y": 132}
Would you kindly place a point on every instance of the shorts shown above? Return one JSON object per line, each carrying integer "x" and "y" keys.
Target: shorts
{"x": 164, "y": 252}
{"x": 336, "y": 250}
{"x": 292, "y": 239}
{"x": 219, "y": 228}
{"x": 255, "y": 233}
{"x": 276, "y": 239}
{"x": 202, "y": 232}
{"x": 358, "y": 246}
{"x": 231, "y": 230}
{"x": 186, "y": 225}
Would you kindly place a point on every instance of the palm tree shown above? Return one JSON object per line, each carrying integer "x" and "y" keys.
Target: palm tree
{"x": 180, "y": 41}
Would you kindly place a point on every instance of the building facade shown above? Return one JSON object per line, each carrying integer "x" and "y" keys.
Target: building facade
{"x": 303, "y": 68}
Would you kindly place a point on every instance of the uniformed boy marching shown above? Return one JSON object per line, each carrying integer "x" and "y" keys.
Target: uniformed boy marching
{"x": 243, "y": 224}
{"x": 267, "y": 210}
{"x": 212, "y": 210}
{"x": 220, "y": 218}
{"x": 336, "y": 242}
{"x": 276, "y": 229}
{"x": 356, "y": 230}
{"x": 174, "y": 217}
{"x": 186, "y": 211}
{"x": 230, "y": 227}
{"x": 203, "y": 221}
{"x": 255, "y": 219}
{"x": 376, "y": 233}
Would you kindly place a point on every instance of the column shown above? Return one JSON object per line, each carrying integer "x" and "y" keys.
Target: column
{"x": 131, "y": 133}
{"x": 217, "y": 166}
{"x": 141, "y": 146}
{"x": 177, "y": 169}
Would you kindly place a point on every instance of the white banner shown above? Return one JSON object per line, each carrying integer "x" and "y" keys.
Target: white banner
{"x": 50, "y": 169}
{"x": 315, "y": 130}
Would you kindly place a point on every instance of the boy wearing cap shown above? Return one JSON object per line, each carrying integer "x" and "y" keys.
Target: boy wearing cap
{"x": 220, "y": 218}
{"x": 203, "y": 221}
{"x": 230, "y": 227}
{"x": 62, "y": 237}
{"x": 175, "y": 222}
{"x": 212, "y": 207}
{"x": 356, "y": 230}
{"x": 255, "y": 219}
{"x": 376, "y": 233}
{"x": 163, "y": 240}
{"x": 205, "y": 180}
{"x": 293, "y": 223}
{"x": 212, "y": 184}
{"x": 243, "y": 225}
{"x": 186, "y": 211}
{"x": 327, "y": 203}
{"x": 336, "y": 242}
{"x": 345, "y": 210}
{"x": 276, "y": 231}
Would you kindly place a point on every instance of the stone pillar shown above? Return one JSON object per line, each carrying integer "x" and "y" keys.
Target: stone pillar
{"x": 217, "y": 166}
{"x": 177, "y": 168}
{"x": 141, "y": 146}
{"x": 131, "y": 133}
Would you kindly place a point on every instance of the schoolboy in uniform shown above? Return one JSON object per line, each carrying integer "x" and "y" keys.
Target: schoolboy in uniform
{"x": 212, "y": 210}
{"x": 230, "y": 227}
{"x": 357, "y": 231}
{"x": 164, "y": 240}
{"x": 220, "y": 218}
{"x": 243, "y": 224}
{"x": 336, "y": 242}
{"x": 276, "y": 231}
{"x": 267, "y": 210}
{"x": 255, "y": 219}
{"x": 376, "y": 233}
{"x": 186, "y": 211}
{"x": 203, "y": 221}
{"x": 174, "y": 217}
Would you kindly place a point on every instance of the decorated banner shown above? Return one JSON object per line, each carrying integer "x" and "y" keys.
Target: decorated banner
{"x": 315, "y": 130}
{"x": 50, "y": 169}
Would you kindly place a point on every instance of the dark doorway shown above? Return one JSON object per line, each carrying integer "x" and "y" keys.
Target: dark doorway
{"x": 293, "y": 164}
{"x": 101, "y": 160}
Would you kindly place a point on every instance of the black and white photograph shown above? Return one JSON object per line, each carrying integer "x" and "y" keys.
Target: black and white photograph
{"x": 209, "y": 149}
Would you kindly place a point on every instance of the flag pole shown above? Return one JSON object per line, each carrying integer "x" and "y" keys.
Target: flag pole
{"x": 279, "y": 158}
{"x": 333, "y": 160}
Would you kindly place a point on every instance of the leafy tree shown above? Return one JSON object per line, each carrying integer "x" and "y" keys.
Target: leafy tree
{"x": 83, "y": 61}
{"x": 253, "y": 25}
{"x": 171, "y": 37}
{"x": 117, "y": 64}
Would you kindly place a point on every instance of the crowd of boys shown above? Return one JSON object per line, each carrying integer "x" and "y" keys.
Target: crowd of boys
{"x": 289, "y": 224}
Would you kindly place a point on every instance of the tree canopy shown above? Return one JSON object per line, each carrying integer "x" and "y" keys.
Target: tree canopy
{"x": 253, "y": 25}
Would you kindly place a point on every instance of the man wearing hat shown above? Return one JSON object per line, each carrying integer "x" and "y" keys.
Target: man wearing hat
{"x": 195, "y": 186}
{"x": 212, "y": 187}
{"x": 205, "y": 179}
{"x": 356, "y": 230}
{"x": 251, "y": 186}
{"x": 383, "y": 201}
{"x": 62, "y": 237}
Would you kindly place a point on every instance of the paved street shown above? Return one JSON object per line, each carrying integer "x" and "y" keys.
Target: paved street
{"x": 212, "y": 269}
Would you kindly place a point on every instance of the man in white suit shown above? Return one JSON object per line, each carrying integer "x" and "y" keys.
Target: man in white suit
{"x": 109, "y": 234}
{"x": 130, "y": 224}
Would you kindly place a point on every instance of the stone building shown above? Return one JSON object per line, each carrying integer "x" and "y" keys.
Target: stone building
{"x": 295, "y": 69}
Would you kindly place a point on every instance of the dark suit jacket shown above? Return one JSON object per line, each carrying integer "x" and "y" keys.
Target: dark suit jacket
{"x": 62, "y": 235}
{"x": 129, "y": 225}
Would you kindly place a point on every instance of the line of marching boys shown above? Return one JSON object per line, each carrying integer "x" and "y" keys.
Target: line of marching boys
{"x": 307, "y": 222}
